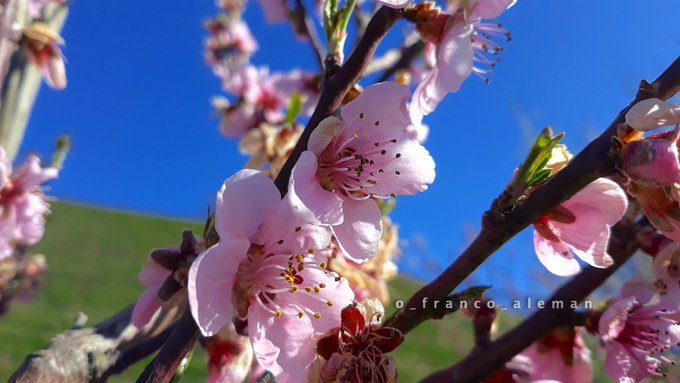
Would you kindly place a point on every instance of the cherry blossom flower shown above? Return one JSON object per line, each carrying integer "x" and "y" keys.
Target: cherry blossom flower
{"x": 230, "y": 356}
{"x": 635, "y": 331}
{"x": 22, "y": 202}
{"x": 365, "y": 155}
{"x": 42, "y": 49}
{"x": 165, "y": 275}
{"x": 461, "y": 39}
{"x": 580, "y": 227}
{"x": 561, "y": 356}
{"x": 356, "y": 350}
{"x": 651, "y": 114}
{"x": 229, "y": 45}
{"x": 269, "y": 267}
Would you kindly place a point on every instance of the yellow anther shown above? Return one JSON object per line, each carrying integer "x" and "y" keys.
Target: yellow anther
{"x": 322, "y": 285}
{"x": 317, "y": 290}
{"x": 323, "y": 265}
{"x": 293, "y": 289}
{"x": 308, "y": 289}
{"x": 356, "y": 136}
{"x": 310, "y": 251}
{"x": 330, "y": 303}
{"x": 301, "y": 314}
{"x": 278, "y": 313}
{"x": 317, "y": 315}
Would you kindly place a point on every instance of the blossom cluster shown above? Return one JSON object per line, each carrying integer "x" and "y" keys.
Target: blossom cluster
{"x": 290, "y": 281}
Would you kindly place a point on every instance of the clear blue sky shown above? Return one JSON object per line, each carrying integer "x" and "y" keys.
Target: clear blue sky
{"x": 144, "y": 138}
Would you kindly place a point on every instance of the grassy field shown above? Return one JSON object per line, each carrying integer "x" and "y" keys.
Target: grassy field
{"x": 93, "y": 258}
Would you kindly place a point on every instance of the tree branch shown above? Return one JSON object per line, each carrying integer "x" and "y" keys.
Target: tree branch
{"x": 408, "y": 54}
{"x": 336, "y": 87}
{"x": 499, "y": 226}
{"x": 305, "y": 25}
{"x": 486, "y": 359}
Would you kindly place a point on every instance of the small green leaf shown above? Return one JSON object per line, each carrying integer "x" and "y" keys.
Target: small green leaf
{"x": 539, "y": 177}
{"x": 62, "y": 146}
{"x": 387, "y": 206}
{"x": 473, "y": 292}
{"x": 293, "y": 108}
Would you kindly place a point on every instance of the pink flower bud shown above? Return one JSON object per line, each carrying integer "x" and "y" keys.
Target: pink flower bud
{"x": 653, "y": 162}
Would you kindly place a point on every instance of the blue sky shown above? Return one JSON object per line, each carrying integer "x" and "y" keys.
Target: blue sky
{"x": 145, "y": 138}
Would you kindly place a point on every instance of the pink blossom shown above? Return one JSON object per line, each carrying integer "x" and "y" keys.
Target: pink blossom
{"x": 269, "y": 267}
{"x": 667, "y": 270}
{"x": 660, "y": 205}
{"x": 651, "y": 114}
{"x": 561, "y": 356}
{"x": 165, "y": 275}
{"x": 396, "y": 4}
{"x": 22, "y": 202}
{"x": 230, "y": 356}
{"x": 275, "y": 11}
{"x": 636, "y": 332}
{"x": 229, "y": 45}
{"x": 42, "y": 50}
{"x": 580, "y": 226}
{"x": 461, "y": 40}
{"x": 365, "y": 155}
{"x": 653, "y": 161}
{"x": 35, "y": 7}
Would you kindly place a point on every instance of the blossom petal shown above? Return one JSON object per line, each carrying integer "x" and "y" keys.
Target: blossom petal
{"x": 359, "y": 234}
{"x": 306, "y": 192}
{"x": 555, "y": 256}
{"x": 384, "y": 102}
{"x": 211, "y": 280}
{"x": 491, "y": 9}
{"x": 152, "y": 273}
{"x": 396, "y": 4}
{"x": 651, "y": 114}
{"x": 146, "y": 306}
{"x": 244, "y": 201}
{"x": 284, "y": 345}
{"x": 327, "y": 129}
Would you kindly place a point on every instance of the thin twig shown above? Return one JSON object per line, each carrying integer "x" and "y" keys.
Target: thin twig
{"x": 336, "y": 87}
{"x": 408, "y": 55}
{"x": 596, "y": 160}
{"x": 307, "y": 27}
{"x": 178, "y": 345}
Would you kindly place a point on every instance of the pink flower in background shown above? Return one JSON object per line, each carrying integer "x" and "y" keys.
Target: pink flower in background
{"x": 397, "y": 4}
{"x": 368, "y": 154}
{"x": 636, "y": 332}
{"x": 35, "y": 7}
{"x": 667, "y": 270}
{"x": 22, "y": 202}
{"x": 461, "y": 39}
{"x": 42, "y": 49}
{"x": 269, "y": 267}
{"x": 165, "y": 275}
{"x": 580, "y": 227}
{"x": 275, "y": 11}
{"x": 660, "y": 205}
{"x": 229, "y": 45}
{"x": 651, "y": 114}
{"x": 561, "y": 356}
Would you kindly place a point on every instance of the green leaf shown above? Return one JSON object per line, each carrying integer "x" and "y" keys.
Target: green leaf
{"x": 473, "y": 292}
{"x": 61, "y": 148}
{"x": 293, "y": 108}
{"x": 387, "y": 206}
{"x": 539, "y": 177}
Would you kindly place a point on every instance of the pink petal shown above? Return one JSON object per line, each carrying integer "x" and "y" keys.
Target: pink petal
{"x": 454, "y": 65}
{"x": 307, "y": 194}
{"x": 290, "y": 228}
{"x": 555, "y": 256}
{"x": 652, "y": 162}
{"x": 327, "y": 130}
{"x": 651, "y": 114}
{"x": 211, "y": 280}
{"x": 359, "y": 234}
{"x": 284, "y": 345}
{"x": 491, "y": 9}
{"x": 396, "y": 4}
{"x": 146, "y": 306}
{"x": 275, "y": 11}
{"x": 613, "y": 320}
{"x": 384, "y": 102}
{"x": 152, "y": 273}
{"x": 606, "y": 195}
{"x": 244, "y": 201}
{"x": 407, "y": 167}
